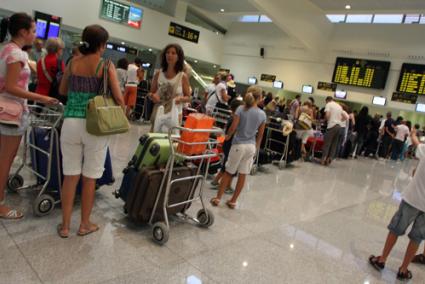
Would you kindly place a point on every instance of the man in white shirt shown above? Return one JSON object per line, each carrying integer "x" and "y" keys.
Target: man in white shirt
{"x": 402, "y": 132}
{"x": 411, "y": 211}
{"x": 335, "y": 116}
{"x": 133, "y": 78}
{"x": 219, "y": 94}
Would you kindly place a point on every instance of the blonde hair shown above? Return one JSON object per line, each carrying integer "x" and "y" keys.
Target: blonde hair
{"x": 253, "y": 95}
{"x": 53, "y": 45}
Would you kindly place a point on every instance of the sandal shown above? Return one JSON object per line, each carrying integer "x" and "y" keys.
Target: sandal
{"x": 86, "y": 232}
{"x": 403, "y": 276}
{"x": 420, "y": 258}
{"x": 231, "y": 205}
{"x": 215, "y": 202}
{"x": 12, "y": 214}
{"x": 59, "y": 230}
{"x": 374, "y": 261}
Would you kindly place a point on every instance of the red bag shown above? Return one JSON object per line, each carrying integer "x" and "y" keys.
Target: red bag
{"x": 195, "y": 121}
{"x": 10, "y": 112}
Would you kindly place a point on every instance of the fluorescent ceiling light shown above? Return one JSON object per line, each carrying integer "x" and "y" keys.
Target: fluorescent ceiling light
{"x": 222, "y": 10}
{"x": 348, "y": 7}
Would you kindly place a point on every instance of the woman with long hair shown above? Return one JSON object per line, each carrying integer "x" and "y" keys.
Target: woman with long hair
{"x": 171, "y": 83}
{"x": 14, "y": 79}
{"x": 84, "y": 154}
{"x": 247, "y": 130}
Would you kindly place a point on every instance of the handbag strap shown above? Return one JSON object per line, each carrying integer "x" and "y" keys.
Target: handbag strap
{"x": 45, "y": 72}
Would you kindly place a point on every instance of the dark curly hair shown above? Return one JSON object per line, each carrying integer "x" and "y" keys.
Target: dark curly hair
{"x": 180, "y": 61}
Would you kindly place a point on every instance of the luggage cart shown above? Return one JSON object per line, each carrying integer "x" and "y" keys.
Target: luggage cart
{"x": 204, "y": 217}
{"x": 49, "y": 119}
{"x": 283, "y": 153}
{"x": 221, "y": 116}
{"x": 138, "y": 112}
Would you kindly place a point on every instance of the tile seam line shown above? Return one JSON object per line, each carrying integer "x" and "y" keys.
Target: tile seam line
{"x": 22, "y": 253}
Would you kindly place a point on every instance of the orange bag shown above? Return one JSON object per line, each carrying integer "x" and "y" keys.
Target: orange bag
{"x": 196, "y": 121}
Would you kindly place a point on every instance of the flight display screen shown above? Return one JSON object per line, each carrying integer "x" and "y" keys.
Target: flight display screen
{"x": 122, "y": 13}
{"x": 412, "y": 79}
{"x": 361, "y": 72}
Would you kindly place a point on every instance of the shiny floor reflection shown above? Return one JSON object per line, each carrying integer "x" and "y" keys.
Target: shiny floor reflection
{"x": 306, "y": 224}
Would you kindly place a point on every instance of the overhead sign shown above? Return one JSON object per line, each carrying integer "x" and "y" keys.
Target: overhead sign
{"x": 361, "y": 72}
{"x": 268, "y": 78}
{"x": 121, "y": 13}
{"x": 183, "y": 32}
{"x": 325, "y": 86}
{"x": 412, "y": 79}
{"x": 120, "y": 48}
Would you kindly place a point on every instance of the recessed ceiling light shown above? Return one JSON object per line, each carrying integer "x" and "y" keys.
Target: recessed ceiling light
{"x": 123, "y": 43}
{"x": 215, "y": 66}
{"x": 150, "y": 49}
{"x": 222, "y": 10}
{"x": 196, "y": 61}
{"x": 348, "y": 7}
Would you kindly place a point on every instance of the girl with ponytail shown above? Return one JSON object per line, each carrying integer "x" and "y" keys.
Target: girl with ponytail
{"x": 14, "y": 79}
{"x": 248, "y": 127}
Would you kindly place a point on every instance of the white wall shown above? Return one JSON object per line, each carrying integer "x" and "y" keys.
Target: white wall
{"x": 295, "y": 65}
{"x": 154, "y": 31}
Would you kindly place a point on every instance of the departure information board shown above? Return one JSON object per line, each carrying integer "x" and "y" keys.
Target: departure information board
{"x": 361, "y": 72}
{"x": 183, "y": 32}
{"x": 412, "y": 79}
{"x": 121, "y": 13}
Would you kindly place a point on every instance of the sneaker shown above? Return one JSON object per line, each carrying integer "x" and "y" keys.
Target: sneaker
{"x": 215, "y": 183}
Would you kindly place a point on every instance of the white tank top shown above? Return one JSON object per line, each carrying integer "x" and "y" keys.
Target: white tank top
{"x": 176, "y": 83}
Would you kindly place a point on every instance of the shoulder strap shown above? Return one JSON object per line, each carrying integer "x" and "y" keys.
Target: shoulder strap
{"x": 99, "y": 65}
{"x": 45, "y": 72}
{"x": 59, "y": 65}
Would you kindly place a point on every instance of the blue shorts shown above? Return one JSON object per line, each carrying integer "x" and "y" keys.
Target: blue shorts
{"x": 7, "y": 130}
{"x": 404, "y": 217}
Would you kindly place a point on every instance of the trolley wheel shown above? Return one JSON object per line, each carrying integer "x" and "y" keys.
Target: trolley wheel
{"x": 14, "y": 182}
{"x": 254, "y": 170}
{"x": 43, "y": 205}
{"x": 205, "y": 218}
{"x": 160, "y": 233}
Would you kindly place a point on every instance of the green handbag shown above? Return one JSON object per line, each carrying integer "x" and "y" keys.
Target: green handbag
{"x": 104, "y": 115}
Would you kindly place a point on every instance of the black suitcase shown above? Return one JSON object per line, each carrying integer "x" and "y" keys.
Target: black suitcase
{"x": 142, "y": 196}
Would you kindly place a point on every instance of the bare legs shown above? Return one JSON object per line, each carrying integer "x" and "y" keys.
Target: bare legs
{"x": 226, "y": 179}
{"x": 87, "y": 201}
{"x": 9, "y": 146}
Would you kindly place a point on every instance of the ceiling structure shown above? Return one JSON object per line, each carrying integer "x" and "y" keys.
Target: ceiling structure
{"x": 371, "y": 5}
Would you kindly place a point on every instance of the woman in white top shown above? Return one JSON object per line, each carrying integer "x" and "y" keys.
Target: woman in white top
{"x": 171, "y": 83}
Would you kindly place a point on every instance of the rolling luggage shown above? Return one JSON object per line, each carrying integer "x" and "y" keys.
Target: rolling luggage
{"x": 142, "y": 196}
{"x": 40, "y": 137}
{"x": 153, "y": 149}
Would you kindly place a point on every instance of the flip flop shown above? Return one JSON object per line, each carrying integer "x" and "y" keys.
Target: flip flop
{"x": 374, "y": 261}
{"x": 231, "y": 205}
{"x": 60, "y": 232}
{"x": 403, "y": 276}
{"x": 88, "y": 232}
{"x": 12, "y": 214}
{"x": 215, "y": 201}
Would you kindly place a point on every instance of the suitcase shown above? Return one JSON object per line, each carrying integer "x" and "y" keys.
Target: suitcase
{"x": 196, "y": 121}
{"x": 215, "y": 163}
{"x": 142, "y": 196}
{"x": 153, "y": 149}
{"x": 40, "y": 137}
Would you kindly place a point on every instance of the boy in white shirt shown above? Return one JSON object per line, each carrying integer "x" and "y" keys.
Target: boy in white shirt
{"x": 411, "y": 210}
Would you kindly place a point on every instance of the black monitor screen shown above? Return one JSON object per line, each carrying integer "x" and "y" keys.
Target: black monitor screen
{"x": 361, "y": 72}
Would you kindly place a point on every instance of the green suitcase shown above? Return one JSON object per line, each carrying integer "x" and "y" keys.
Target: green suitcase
{"x": 153, "y": 150}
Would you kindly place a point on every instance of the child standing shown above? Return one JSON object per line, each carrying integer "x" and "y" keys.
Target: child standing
{"x": 248, "y": 126}
{"x": 226, "y": 146}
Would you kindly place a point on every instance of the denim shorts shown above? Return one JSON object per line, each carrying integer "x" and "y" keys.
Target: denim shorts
{"x": 7, "y": 130}
{"x": 404, "y": 217}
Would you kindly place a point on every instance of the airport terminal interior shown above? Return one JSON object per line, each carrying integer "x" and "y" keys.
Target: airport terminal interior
{"x": 315, "y": 207}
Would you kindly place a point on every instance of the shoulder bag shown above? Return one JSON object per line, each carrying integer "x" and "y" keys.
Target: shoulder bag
{"x": 104, "y": 115}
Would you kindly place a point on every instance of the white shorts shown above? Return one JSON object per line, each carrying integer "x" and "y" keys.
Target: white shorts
{"x": 241, "y": 158}
{"x": 304, "y": 134}
{"x": 82, "y": 153}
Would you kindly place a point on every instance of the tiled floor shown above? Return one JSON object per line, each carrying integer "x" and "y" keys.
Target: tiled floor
{"x": 306, "y": 224}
